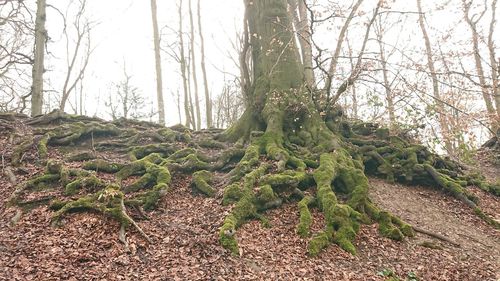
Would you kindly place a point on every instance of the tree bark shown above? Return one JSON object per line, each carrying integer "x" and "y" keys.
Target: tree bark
{"x": 193, "y": 69}
{"x": 479, "y": 66}
{"x": 159, "y": 80}
{"x": 298, "y": 12}
{"x": 39, "y": 57}
{"x": 208, "y": 100}
{"x": 494, "y": 66}
{"x": 182, "y": 59}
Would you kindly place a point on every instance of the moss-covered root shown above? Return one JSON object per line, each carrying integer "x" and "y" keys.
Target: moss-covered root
{"x": 305, "y": 217}
{"x": 54, "y": 173}
{"x": 245, "y": 208}
{"x": 108, "y": 201}
{"x": 20, "y": 150}
{"x": 84, "y": 181}
{"x": 341, "y": 220}
{"x": 42, "y": 146}
{"x": 154, "y": 172}
{"x": 458, "y": 191}
{"x": 104, "y": 166}
{"x": 201, "y": 182}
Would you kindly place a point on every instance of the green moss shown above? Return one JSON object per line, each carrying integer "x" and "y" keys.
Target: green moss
{"x": 201, "y": 180}
{"x": 53, "y": 167}
{"x": 100, "y": 165}
{"x": 41, "y": 182}
{"x": 151, "y": 198}
{"x": 319, "y": 242}
{"x": 146, "y": 180}
{"x": 249, "y": 160}
{"x": 305, "y": 217}
{"x": 80, "y": 156}
{"x": 227, "y": 234}
{"x": 232, "y": 193}
{"x": 19, "y": 151}
{"x": 89, "y": 181}
{"x": 387, "y": 228}
{"x": 266, "y": 193}
{"x": 106, "y": 201}
{"x": 42, "y": 146}
{"x": 210, "y": 143}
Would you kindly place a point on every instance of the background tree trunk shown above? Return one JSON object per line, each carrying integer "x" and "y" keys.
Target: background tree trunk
{"x": 159, "y": 80}
{"x": 193, "y": 69}
{"x": 478, "y": 63}
{"x": 445, "y": 130}
{"x": 38, "y": 65}
{"x": 208, "y": 100}
{"x": 184, "y": 73}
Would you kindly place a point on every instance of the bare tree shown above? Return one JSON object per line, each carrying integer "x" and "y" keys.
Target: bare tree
{"x": 78, "y": 60}
{"x": 472, "y": 21}
{"x": 159, "y": 81}
{"x": 126, "y": 100}
{"x": 16, "y": 59}
{"x": 435, "y": 83}
{"x": 338, "y": 48}
{"x": 39, "y": 58}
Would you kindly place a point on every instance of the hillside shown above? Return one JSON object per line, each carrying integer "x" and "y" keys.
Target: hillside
{"x": 183, "y": 228}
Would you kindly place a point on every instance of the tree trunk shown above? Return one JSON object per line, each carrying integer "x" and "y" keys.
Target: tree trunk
{"x": 479, "y": 65}
{"x": 39, "y": 57}
{"x": 208, "y": 100}
{"x": 159, "y": 80}
{"x": 445, "y": 130}
{"x": 494, "y": 66}
{"x": 388, "y": 93}
{"x": 298, "y": 12}
{"x": 184, "y": 74}
{"x": 193, "y": 69}
{"x": 278, "y": 102}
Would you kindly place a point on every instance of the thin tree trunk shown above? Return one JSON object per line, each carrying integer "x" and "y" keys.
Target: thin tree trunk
{"x": 479, "y": 67}
{"x": 354, "y": 93}
{"x": 208, "y": 101}
{"x": 183, "y": 70}
{"x": 387, "y": 86}
{"x": 39, "y": 57}
{"x": 193, "y": 69}
{"x": 298, "y": 12}
{"x": 494, "y": 66}
{"x": 435, "y": 86}
{"x": 191, "y": 107}
{"x": 159, "y": 80}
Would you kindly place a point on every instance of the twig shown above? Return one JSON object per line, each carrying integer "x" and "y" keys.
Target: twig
{"x": 436, "y": 235}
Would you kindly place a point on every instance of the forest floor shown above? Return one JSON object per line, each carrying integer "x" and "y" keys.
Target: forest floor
{"x": 184, "y": 231}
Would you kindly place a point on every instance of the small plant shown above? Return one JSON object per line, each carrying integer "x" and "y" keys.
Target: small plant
{"x": 391, "y": 276}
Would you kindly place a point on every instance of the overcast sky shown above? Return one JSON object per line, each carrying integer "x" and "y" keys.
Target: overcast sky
{"x": 125, "y": 34}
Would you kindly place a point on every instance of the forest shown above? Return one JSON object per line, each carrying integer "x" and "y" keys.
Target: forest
{"x": 249, "y": 140}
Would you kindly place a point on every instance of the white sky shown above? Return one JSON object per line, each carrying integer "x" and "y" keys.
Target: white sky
{"x": 125, "y": 33}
